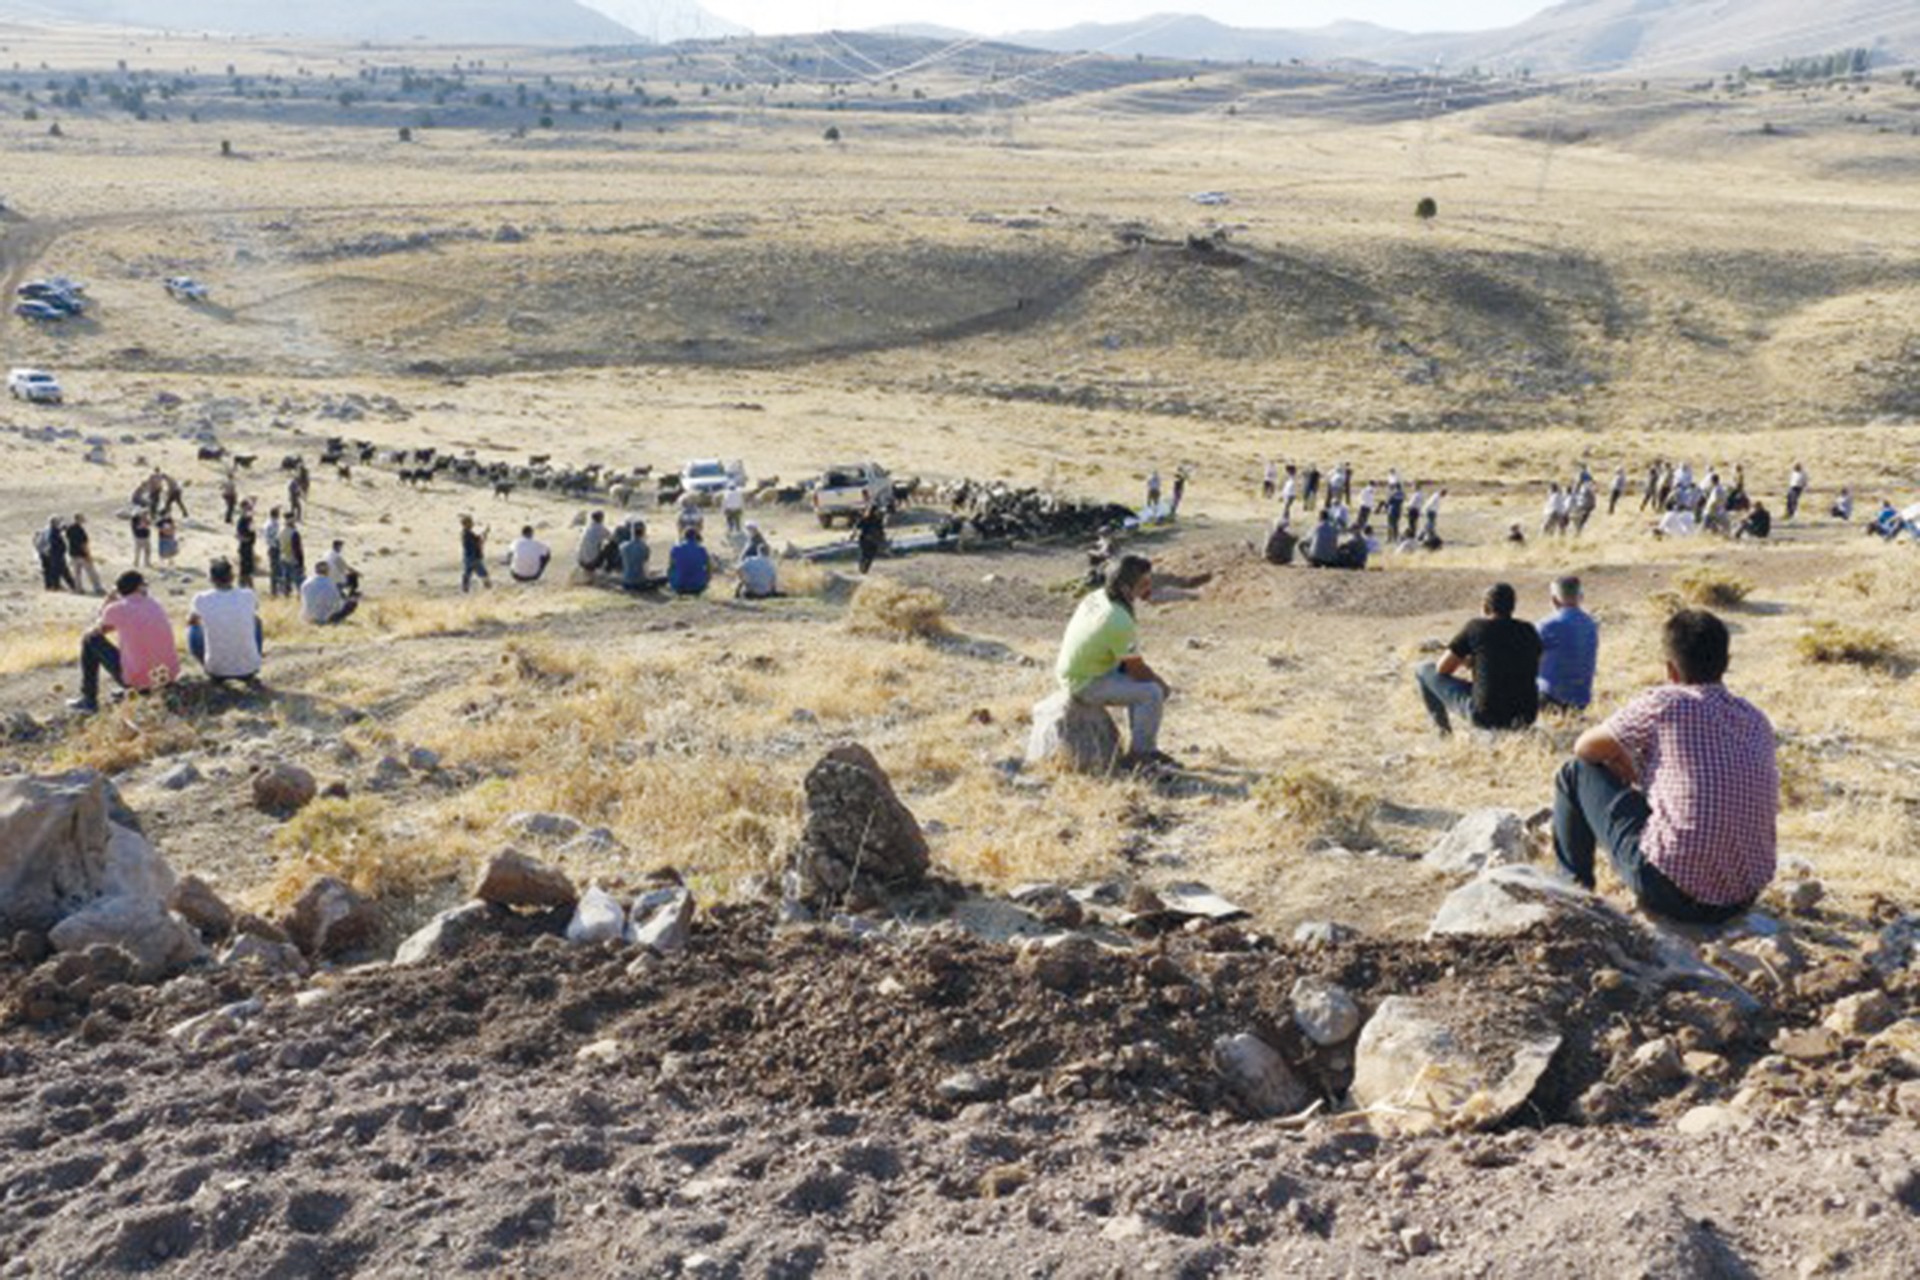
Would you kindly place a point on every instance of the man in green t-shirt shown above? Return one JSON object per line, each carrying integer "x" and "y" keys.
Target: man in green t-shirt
{"x": 1100, "y": 662}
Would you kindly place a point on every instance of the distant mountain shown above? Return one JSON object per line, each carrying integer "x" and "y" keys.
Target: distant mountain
{"x": 923, "y": 31}
{"x": 1581, "y": 37}
{"x": 665, "y": 21}
{"x": 563, "y": 22}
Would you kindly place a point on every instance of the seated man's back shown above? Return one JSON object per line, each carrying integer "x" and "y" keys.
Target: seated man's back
{"x": 229, "y": 619}
{"x": 634, "y": 554}
{"x": 689, "y": 569}
{"x": 1506, "y": 663}
{"x": 320, "y": 599}
{"x": 758, "y": 577}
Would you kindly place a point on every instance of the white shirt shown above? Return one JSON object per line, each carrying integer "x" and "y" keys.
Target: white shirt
{"x": 1286, "y": 488}
{"x": 337, "y": 565}
{"x": 1273, "y": 472}
{"x": 1677, "y": 524}
{"x": 524, "y": 557}
{"x": 758, "y": 576}
{"x": 319, "y": 599}
{"x": 733, "y": 500}
{"x": 1366, "y": 496}
{"x": 1433, "y": 504}
{"x": 1798, "y": 480}
{"x": 1556, "y": 503}
{"x": 226, "y": 621}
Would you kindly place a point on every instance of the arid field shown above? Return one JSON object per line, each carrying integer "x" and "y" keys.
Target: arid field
{"x": 1021, "y": 290}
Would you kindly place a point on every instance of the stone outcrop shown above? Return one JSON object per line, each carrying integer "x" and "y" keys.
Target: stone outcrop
{"x": 1072, "y": 734}
{"x": 859, "y": 840}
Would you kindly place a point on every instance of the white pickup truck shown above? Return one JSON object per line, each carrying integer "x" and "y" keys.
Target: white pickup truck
{"x": 846, "y": 490}
{"x": 35, "y": 385}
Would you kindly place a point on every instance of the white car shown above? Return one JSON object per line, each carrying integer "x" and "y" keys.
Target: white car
{"x": 186, "y": 289}
{"x": 847, "y": 490}
{"x": 36, "y": 385}
{"x": 709, "y": 477}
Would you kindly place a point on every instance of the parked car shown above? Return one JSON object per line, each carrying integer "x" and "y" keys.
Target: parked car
{"x": 55, "y": 294}
{"x": 186, "y": 289}
{"x": 707, "y": 477}
{"x": 34, "y": 309}
{"x": 850, "y": 488}
{"x": 36, "y": 385}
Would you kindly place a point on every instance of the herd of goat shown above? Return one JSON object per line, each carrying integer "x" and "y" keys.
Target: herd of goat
{"x": 985, "y": 510}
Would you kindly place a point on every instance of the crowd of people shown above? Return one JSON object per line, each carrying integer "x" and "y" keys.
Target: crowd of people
{"x": 1351, "y": 528}
{"x": 1680, "y": 785}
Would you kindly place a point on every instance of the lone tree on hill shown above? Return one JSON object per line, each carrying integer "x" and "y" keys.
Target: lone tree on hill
{"x": 1426, "y": 210}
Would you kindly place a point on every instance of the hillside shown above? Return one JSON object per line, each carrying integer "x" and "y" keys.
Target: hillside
{"x": 543, "y": 22}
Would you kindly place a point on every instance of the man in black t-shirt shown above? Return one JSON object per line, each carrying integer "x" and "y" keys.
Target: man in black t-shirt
{"x": 1505, "y": 657}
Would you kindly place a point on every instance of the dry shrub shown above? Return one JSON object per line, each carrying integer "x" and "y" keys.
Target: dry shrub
{"x": 883, "y": 607}
{"x": 1714, "y": 587}
{"x": 1318, "y": 806}
{"x": 349, "y": 839}
{"x": 1839, "y": 642}
{"x": 140, "y": 729}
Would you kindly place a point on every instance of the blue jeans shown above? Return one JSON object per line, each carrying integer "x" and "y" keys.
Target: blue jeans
{"x": 471, "y": 569}
{"x": 1443, "y": 694}
{"x": 1143, "y": 699}
{"x": 1589, "y": 805}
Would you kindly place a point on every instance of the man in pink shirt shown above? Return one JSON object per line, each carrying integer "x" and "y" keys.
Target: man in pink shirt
{"x": 145, "y": 657}
{"x": 1682, "y": 784}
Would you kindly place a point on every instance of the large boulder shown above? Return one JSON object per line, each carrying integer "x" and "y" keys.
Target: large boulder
{"x": 1425, "y": 1064}
{"x": 65, "y": 841}
{"x": 858, "y": 833}
{"x": 512, "y": 879}
{"x": 159, "y": 941}
{"x": 1073, "y": 734}
{"x": 330, "y": 920}
{"x": 1482, "y": 838}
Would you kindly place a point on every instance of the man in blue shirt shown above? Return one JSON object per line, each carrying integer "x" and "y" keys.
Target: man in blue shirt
{"x": 1570, "y": 648}
{"x": 689, "y": 567}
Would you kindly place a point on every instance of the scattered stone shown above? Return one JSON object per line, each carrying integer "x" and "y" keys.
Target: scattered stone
{"x": 1902, "y": 1040}
{"x": 283, "y": 789}
{"x": 1807, "y": 1044}
{"x": 1657, "y": 1061}
{"x": 1858, "y": 1016}
{"x": 601, "y": 1053}
{"x": 159, "y": 941}
{"x": 513, "y": 879}
{"x": 1193, "y": 900}
{"x": 661, "y": 919}
{"x": 1324, "y": 1011}
{"x": 275, "y": 957}
{"x": 194, "y": 900}
{"x": 1902, "y": 1183}
{"x": 1906, "y": 1099}
{"x": 1481, "y": 839}
{"x": 1712, "y": 1118}
{"x": 1317, "y": 934}
{"x": 1259, "y": 1077}
{"x": 330, "y": 920}
{"x": 1423, "y": 1064}
{"x": 1417, "y": 1242}
{"x": 1803, "y": 896}
{"x": 597, "y": 918}
{"x": 30, "y": 946}
{"x": 178, "y": 778}
{"x": 544, "y": 826}
{"x": 246, "y": 922}
{"x": 448, "y": 933}
{"x": 963, "y": 1087}
{"x": 1074, "y": 734}
{"x": 1050, "y": 903}
{"x": 1059, "y": 964}
{"x": 1702, "y": 1065}
{"x": 423, "y": 759}
{"x": 858, "y": 836}
{"x": 389, "y": 774}
{"x": 596, "y": 842}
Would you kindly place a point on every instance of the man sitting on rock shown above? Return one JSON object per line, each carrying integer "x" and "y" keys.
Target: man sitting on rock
{"x": 145, "y": 657}
{"x": 1100, "y": 662}
{"x": 1682, "y": 784}
{"x": 1504, "y": 654}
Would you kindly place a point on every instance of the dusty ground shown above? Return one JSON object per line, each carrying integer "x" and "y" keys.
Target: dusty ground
{"x": 1617, "y": 274}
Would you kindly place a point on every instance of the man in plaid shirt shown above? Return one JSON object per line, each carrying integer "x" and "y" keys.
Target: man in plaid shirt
{"x": 1682, "y": 786}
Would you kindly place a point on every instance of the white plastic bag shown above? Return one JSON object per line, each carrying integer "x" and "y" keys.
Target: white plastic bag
{"x": 598, "y": 918}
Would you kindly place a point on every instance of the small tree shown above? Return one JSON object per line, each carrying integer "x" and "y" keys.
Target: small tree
{"x": 226, "y": 148}
{"x": 1427, "y": 210}
{"x": 832, "y": 134}
{"x": 53, "y": 130}
{"x": 406, "y": 134}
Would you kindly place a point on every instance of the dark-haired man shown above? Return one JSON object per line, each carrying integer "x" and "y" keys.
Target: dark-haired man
{"x": 1504, "y": 655}
{"x": 1681, "y": 784}
{"x": 1100, "y": 662}
{"x": 144, "y": 658}
{"x": 223, "y": 630}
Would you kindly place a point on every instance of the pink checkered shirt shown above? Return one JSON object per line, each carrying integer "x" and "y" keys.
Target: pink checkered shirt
{"x": 1706, "y": 763}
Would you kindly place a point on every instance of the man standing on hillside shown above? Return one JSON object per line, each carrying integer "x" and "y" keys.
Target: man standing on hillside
{"x": 1504, "y": 655}
{"x": 1569, "y": 649}
{"x": 1682, "y": 784}
{"x": 1100, "y": 662}
{"x": 1796, "y": 489}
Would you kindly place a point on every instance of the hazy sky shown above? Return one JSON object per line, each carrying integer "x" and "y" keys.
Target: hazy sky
{"x": 995, "y": 16}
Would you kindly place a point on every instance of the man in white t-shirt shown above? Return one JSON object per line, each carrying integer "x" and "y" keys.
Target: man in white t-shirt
{"x": 733, "y": 504}
{"x": 223, "y": 629}
{"x": 320, "y": 600}
{"x": 527, "y": 558}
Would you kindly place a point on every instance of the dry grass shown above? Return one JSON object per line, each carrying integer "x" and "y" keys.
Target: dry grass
{"x": 884, "y": 607}
{"x": 1838, "y": 642}
{"x": 356, "y": 840}
{"x": 121, "y": 736}
{"x": 1713, "y": 586}
{"x": 33, "y": 648}
{"x": 1315, "y": 806}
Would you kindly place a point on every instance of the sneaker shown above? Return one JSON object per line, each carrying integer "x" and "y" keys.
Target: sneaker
{"x": 85, "y": 706}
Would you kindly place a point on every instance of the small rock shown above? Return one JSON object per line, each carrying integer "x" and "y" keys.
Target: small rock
{"x": 1078, "y": 735}
{"x": 158, "y": 940}
{"x": 964, "y": 1087}
{"x": 1712, "y": 1119}
{"x": 1658, "y": 1060}
{"x": 1803, "y": 896}
{"x": 329, "y": 920}
{"x": 196, "y": 903}
{"x": 1807, "y": 1044}
{"x": 1324, "y": 1011}
{"x": 1062, "y": 964}
{"x": 1259, "y": 1076}
{"x": 1858, "y": 1016}
{"x": 30, "y": 946}
{"x": 283, "y": 789}
{"x": 1906, "y": 1099}
{"x": 1323, "y": 933}
{"x": 1051, "y": 903}
{"x": 601, "y": 1053}
{"x": 1702, "y": 1065}
{"x": 275, "y": 957}
{"x": 178, "y": 778}
{"x": 512, "y": 879}
{"x": 661, "y": 919}
{"x": 246, "y": 922}
{"x": 389, "y": 774}
{"x": 1417, "y": 1242}
{"x": 1482, "y": 838}
{"x": 544, "y": 826}
{"x": 423, "y": 759}
{"x": 448, "y": 933}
